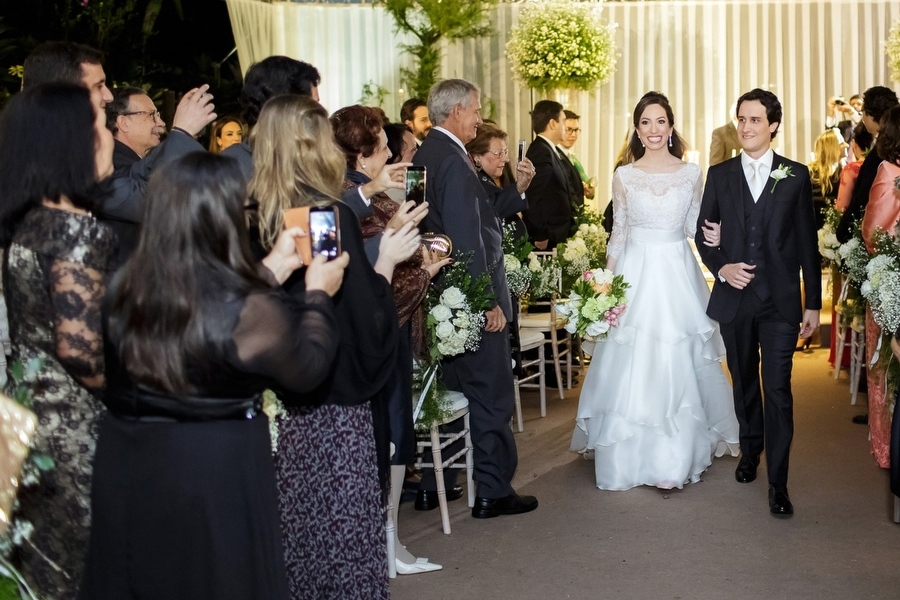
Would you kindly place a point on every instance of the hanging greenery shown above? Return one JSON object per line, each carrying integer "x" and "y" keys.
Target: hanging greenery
{"x": 562, "y": 45}
{"x": 892, "y": 50}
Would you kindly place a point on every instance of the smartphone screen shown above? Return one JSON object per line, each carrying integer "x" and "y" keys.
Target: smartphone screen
{"x": 521, "y": 150}
{"x": 415, "y": 184}
{"x": 324, "y": 233}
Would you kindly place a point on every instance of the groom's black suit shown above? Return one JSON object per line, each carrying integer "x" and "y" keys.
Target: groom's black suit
{"x": 778, "y": 235}
{"x": 552, "y": 195}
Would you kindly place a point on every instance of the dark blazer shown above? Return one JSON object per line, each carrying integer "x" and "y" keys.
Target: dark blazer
{"x": 551, "y": 196}
{"x": 460, "y": 207}
{"x": 790, "y": 238}
{"x": 123, "y": 192}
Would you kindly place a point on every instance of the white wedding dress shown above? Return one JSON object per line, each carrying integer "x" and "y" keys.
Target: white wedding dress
{"x": 656, "y": 406}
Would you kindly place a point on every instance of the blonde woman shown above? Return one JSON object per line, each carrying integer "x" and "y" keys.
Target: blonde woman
{"x": 333, "y": 443}
{"x": 825, "y": 173}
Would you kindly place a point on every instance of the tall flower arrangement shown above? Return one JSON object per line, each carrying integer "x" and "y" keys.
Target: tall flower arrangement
{"x": 562, "y": 45}
{"x": 892, "y": 50}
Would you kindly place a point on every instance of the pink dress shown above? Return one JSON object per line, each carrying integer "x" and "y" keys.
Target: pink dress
{"x": 882, "y": 212}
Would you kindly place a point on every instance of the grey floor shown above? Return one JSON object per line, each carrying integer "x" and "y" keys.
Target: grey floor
{"x": 714, "y": 539}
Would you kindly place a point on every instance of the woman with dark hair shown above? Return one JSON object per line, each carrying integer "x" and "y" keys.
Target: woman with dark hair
{"x": 402, "y": 144}
{"x": 655, "y": 406}
{"x": 333, "y": 446}
{"x": 184, "y": 484}
{"x": 54, "y": 148}
{"x": 881, "y": 214}
{"x": 357, "y": 130}
{"x": 225, "y": 132}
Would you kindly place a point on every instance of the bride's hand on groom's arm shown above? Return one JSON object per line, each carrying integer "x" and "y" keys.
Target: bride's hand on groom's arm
{"x": 711, "y": 234}
{"x": 738, "y": 275}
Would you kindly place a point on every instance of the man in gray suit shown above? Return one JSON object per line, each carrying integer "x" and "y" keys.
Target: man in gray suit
{"x": 461, "y": 208}
{"x": 725, "y": 142}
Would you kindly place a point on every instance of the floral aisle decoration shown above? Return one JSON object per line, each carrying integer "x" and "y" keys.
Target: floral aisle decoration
{"x": 18, "y": 532}
{"x": 853, "y": 258}
{"x": 454, "y": 322}
{"x": 596, "y": 302}
{"x": 892, "y": 50}
{"x": 562, "y": 45}
{"x": 516, "y": 250}
{"x": 829, "y": 246}
{"x": 545, "y": 276}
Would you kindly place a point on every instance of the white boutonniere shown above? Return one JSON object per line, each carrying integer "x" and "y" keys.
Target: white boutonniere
{"x": 778, "y": 174}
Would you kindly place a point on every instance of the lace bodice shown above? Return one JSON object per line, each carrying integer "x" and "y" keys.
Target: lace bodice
{"x": 654, "y": 201}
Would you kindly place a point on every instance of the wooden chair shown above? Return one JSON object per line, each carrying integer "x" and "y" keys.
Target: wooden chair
{"x": 438, "y": 441}
{"x": 532, "y": 340}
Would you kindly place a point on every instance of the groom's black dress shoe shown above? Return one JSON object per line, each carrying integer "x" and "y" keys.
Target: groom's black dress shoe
{"x": 426, "y": 500}
{"x": 746, "y": 469}
{"x": 779, "y": 502}
{"x": 514, "y": 504}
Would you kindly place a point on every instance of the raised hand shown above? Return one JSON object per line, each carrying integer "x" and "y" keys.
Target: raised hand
{"x": 195, "y": 111}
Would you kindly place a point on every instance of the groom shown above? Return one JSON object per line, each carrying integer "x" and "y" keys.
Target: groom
{"x": 764, "y": 204}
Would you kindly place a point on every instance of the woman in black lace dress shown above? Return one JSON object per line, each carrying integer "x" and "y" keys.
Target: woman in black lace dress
{"x": 184, "y": 494}
{"x": 54, "y": 146}
{"x": 327, "y": 462}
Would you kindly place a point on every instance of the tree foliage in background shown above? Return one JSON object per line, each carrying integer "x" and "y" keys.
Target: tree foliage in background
{"x": 431, "y": 21}
{"x": 892, "y": 50}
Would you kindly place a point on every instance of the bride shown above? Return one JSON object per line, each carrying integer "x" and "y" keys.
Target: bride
{"x": 656, "y": 406}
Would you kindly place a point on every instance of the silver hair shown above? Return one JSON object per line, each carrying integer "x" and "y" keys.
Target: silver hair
{"x": 446, "y": 94}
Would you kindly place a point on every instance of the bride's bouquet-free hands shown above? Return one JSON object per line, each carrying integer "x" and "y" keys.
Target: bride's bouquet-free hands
{"x": 596, "y": 301}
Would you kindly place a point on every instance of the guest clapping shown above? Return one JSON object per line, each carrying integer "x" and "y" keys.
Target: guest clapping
{"x": 184, "y": 483}
{"x": 54, "y": 147}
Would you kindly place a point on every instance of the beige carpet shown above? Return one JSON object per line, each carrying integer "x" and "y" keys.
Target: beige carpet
{"x": 714, "y": 539}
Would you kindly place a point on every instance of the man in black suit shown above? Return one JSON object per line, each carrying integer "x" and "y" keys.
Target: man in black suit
{"x": 764, "y": 204}
{"x": 460, "y": 207}
{"x": 553, "y": 195}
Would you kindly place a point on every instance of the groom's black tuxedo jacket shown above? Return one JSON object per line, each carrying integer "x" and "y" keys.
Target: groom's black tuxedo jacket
{"x": 789, "y": 238}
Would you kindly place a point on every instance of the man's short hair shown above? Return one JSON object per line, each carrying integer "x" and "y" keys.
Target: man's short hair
{"x": 769, "y": 101}
{"x": 119, "y": 105}
{"x": 571, "y": 115}
{"x": 275, "y": 76}
{"x": 408, "y": 110}
{"x": 878, "y": 100}
{"x": 58, "y": 61}
{"x": 446, "y": 94}
{"x": 542, "y": 113}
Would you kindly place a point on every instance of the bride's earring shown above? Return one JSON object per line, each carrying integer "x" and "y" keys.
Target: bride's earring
{"x": 641, "y": 141}
{"x": 670, "y": 140}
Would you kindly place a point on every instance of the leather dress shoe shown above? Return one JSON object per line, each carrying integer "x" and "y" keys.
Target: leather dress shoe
{"x": 746, "y": 469}
{"x": 514, "y": 504}
{"x": 779, "y": 503}
{"x": 861, "y": 419}
{"x": 428, "y": 500}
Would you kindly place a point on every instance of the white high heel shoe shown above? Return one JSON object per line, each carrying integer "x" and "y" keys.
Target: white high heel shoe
{"x": 420, "y": 566}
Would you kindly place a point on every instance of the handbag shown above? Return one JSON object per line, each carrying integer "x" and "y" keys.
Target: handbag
{"x": 17, "y": 429}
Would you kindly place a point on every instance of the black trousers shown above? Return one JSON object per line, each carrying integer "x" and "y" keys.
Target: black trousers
{"x": 757, "y": 334}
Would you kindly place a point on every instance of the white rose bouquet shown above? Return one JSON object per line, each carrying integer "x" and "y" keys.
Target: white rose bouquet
{"x": 596, "y": 302}
{"x": 829, "y": 246}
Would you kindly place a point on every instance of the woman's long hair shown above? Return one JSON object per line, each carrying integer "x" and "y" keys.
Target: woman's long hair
{"x": 295, "y": 161}
{"x": 828, "y": 153}
{"x": 47, "y": 150}
{"x": 636, "y": 148}
{"x": 194, "y": 232}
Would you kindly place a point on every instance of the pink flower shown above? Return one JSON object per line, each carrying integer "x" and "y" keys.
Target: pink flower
{"x": 588, "y": 275}
{"x": 84, "y": 2}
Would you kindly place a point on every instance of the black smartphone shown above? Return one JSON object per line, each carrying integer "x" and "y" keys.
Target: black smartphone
{"x": 324, "y": 231}
{"x": 521, "y": 150}
{"x": 415, "y": 184}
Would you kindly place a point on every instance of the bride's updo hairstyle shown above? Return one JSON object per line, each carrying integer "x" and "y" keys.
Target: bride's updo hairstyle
{"x": 677, "y": 147}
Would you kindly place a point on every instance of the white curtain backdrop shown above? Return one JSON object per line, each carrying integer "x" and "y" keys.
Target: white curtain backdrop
{"x": 701, "y": 53}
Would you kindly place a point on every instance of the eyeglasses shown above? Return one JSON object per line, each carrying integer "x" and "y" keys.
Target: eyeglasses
{"x": 574, "y": 130}
{"x": 153, "y": 114}
{"x": 499, "y": 153}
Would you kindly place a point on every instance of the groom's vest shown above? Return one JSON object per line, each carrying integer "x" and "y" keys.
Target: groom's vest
{"x": 754, "y": 216}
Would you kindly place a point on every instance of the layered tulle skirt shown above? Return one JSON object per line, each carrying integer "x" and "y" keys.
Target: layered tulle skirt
{"x": 656, "y": 407}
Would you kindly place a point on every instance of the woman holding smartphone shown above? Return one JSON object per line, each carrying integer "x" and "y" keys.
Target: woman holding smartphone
{"x": 359, "y": 133}
{"x": 328, "y": 454}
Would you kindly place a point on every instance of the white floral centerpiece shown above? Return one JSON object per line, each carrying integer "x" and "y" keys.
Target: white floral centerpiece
{"x": 596, "y": 302}
{"x": 561, "y": 45}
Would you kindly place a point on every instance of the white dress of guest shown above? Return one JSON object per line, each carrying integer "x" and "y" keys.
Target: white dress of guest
{"x": 655, "y": 407}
